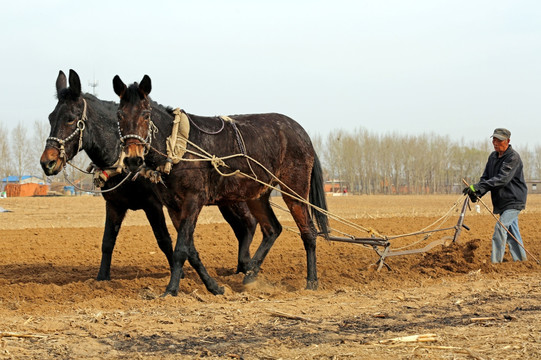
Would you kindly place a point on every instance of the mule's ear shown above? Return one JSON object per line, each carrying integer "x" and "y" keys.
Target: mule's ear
{"x": 145, "y": 86}
{"x": 119, "y": 86}
{"x": 75, "y": 83}
{"x": 61, "y": 82}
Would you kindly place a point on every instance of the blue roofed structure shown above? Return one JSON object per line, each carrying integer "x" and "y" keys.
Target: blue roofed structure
{"x": 25, "y": 179}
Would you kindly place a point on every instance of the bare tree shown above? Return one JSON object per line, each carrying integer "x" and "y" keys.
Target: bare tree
{"x": 536, "y": 166}
{"x": 39, "y": 136}
{"x": 331, "y": 156}
{"x": 318, "y": 143}
{"x": 396, "y": 163}
{"x": 528, "y": 161}
{"x": 21, "y": 150}
{"x": 5, "y": 153}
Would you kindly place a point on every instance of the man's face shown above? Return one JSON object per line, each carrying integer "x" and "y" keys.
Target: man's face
{"x": 500, "y": 145}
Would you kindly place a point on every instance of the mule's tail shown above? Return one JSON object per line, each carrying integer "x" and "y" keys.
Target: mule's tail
{"x": 317, "y": 198}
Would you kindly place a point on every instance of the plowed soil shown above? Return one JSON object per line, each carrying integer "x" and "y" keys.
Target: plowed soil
{"x": 448, "y": 303}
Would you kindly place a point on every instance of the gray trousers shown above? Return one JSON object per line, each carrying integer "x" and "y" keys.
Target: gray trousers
{"x": 509, "y": 218}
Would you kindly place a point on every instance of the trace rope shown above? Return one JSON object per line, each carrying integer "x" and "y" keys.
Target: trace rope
{"x": 219, "y": 161}
{"x": 203, "y": 155}
{"x": 441, "y": 220}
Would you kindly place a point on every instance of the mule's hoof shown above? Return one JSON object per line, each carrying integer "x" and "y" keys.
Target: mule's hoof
{"x": 312, "y": 285}
{"x": 170, "y": 292}
{"x": 250, "y": 277}
{"x": 103, "y": 278}
{"x": 218, "y": 290}
{"x": 241, "y": 269}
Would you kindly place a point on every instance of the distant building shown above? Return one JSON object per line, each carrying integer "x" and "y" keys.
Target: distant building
{"x": 336, "y": 187}
{"x": 26, "y": 185}
{"x": 25, "y": 179}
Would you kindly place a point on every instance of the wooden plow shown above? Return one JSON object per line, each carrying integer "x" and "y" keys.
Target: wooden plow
{"x": 382, "y": 245}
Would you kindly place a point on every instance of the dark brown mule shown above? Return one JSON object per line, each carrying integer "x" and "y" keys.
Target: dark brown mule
{"x": 278, "y": 143}
{"x": 77, "y": 113}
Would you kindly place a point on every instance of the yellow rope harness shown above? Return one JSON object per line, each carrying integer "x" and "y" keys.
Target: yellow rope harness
{"x": 176, "y": 142}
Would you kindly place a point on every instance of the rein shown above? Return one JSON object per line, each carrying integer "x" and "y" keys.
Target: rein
{"x": 81, "y": 125}
{"x": 94, "y": 191}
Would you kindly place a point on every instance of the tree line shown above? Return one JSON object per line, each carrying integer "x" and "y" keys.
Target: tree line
{"x": 21, "y": 149}
{"x": 394, "y": 163}
{"x": 363, "y": 161}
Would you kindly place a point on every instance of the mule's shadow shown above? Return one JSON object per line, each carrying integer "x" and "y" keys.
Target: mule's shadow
{"x": 63, "y": 275}
{"x": 48, "y": 273}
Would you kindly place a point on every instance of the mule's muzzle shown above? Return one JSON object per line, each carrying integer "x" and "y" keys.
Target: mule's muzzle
{"x": 50, "y": 162}
{"x": 134, "y": 157}
{"x": 134, "y": 163}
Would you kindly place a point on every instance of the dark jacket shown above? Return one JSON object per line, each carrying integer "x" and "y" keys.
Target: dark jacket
{"x": 504, "y": 178}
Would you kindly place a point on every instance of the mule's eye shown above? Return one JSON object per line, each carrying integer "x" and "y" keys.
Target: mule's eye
{"x": 71, "y": 119}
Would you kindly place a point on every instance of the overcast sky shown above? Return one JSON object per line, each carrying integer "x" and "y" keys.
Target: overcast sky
{"x": 453, "y": 68}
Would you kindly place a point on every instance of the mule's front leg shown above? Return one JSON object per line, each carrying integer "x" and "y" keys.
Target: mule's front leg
{"x": 195, "y": 261}
{"x": 179, "y": 258}
{"x": 156, "y": 218}
{"x": 113, "y": 219}
{"x": 174, "y": 281}
{"x": 185, "y": 250}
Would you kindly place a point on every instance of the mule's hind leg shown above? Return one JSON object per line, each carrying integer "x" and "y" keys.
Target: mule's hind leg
{"x": 271, "y": 229}
{"x": 244, "y": 225}
{"x": 156, "y": 219}
{"x": 113, "y": 220}
{"x": 308, "y": 231}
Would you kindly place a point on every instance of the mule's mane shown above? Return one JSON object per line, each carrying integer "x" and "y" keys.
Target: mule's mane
{"x": 169, "y": 110}
{"x": 132, "y": 94}
{"x": 106, "y": 104}
{"x": 67, "y": 94}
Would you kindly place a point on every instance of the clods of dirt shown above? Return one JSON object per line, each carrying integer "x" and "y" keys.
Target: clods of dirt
{"x": 455, "y": 258}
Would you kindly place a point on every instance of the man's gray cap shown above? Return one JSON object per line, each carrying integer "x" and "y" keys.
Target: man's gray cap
{"x": 501, "y": 134}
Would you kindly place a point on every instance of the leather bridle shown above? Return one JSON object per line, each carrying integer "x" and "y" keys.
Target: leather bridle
{"x": 81, "y": 125}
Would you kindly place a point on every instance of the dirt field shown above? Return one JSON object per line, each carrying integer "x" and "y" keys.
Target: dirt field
{"x": 463, "y": 306}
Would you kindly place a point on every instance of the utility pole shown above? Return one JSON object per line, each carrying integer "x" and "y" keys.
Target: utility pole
{"x": 93, "y": 84}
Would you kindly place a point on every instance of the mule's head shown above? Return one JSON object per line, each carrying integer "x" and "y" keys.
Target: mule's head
{"x": 67, "y": 124}
{"x": 134, "y": 123}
